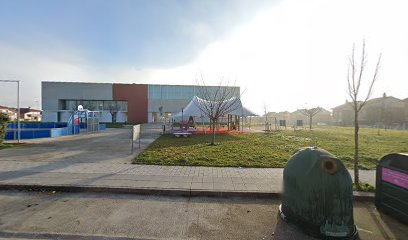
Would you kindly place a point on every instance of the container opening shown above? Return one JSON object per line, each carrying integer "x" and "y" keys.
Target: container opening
{"x": 329, "y": 165}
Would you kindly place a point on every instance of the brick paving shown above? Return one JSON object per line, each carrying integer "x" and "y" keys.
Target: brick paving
{"x": 147, "y": 176}
{"x": 103, "y": 160}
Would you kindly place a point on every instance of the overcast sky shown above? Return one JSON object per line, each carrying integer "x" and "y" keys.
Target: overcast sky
{"x": 284, "y": 54}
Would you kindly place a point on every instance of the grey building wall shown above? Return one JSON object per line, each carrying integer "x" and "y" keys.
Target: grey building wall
{"x": 52, "y": 92}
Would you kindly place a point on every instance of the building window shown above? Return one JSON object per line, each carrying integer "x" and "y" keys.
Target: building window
{"x": 109, "y": 105}
{"x": 170, "y": 92}
{"x": 95, "y": 105}
{"x": 99, "y": 105}
{"x": 155, "y": 117}
{"x": 70, "y": 105}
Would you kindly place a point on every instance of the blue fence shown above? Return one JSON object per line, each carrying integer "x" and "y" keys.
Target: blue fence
{"x": 42, "y": 130}
{"x": 28, "y": 134}
{"x": 36, "y": 125}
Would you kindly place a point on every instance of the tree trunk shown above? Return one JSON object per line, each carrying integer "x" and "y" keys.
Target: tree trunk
{"x": 213, "y": 133}
{"x": 310, "y": 122}
{"x": 356, "y": 159}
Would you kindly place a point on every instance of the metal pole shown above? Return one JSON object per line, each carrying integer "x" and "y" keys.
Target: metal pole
{"x": 242, "y": 121}
{"x": 18, "y": 106}
{"x": 132, "y": 137}
{"x": 18, "y": 111}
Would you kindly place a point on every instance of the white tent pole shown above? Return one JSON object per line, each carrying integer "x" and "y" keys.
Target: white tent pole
{"x": 242, "y": 117}
{"x": 242, "y": 120}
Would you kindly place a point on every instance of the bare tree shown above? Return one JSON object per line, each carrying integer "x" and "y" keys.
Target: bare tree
{"x": 354, "y": 80}
{"x": 266, "y": 119}
{"x": 311, "y": 112}
{"x": 216, "y": 101}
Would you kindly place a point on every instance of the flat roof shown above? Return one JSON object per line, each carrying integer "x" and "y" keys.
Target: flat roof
{"x": 154, "y": 84}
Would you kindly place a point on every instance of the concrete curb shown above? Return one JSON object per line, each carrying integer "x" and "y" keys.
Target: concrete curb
{"x": 140, "y": 191}
{"x": 62, "y": 236}
{"x": 364, "y": 196}
{"x": 357, "y": 196}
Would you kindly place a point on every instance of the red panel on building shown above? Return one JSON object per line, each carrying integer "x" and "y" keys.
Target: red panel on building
{"x": 136, "y": 95}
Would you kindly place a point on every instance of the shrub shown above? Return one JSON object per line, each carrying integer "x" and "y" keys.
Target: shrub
{"x": 4, "y": 119}
{"x": 114, "y": 125}
{"x": 363, "y": 187}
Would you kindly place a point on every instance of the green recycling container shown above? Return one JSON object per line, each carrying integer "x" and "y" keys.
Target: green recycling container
{"x": 391, "y": 191}
{"x": 318, "y": 195}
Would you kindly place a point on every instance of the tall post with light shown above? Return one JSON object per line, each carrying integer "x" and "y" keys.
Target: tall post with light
{"x": 18, "y": 105}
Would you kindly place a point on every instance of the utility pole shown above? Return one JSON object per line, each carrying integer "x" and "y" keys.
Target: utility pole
{"x": 18, "y": 112}
{"x": 18, "y": 105}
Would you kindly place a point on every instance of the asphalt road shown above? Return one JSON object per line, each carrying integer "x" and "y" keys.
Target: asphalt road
{"x": 47, "y": 215}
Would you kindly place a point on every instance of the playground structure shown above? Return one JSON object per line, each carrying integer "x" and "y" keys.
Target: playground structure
{"x": 233, "y": 121}
{"x": 230, "y": 123}
{"x": 185, "y": 131}
{"x": 186, "y": 128}
{"x": 83, "y": 120}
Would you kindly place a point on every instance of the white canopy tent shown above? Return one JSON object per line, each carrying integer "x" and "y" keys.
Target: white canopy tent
{"x": 192, "y": 109}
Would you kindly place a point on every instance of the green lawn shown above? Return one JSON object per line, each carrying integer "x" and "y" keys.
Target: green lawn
{"x": 272, "y": 149}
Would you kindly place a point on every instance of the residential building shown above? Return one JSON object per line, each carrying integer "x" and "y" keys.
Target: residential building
{"x": 385, "y": 111}
{"x": 30, "y": 114}
{"x": 12, "y": 113}
{"x": 322, "y": 118}
{"x": 343, "y": 115}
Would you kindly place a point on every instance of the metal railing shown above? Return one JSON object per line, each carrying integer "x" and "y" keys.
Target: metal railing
{"x": 145, "y": 131}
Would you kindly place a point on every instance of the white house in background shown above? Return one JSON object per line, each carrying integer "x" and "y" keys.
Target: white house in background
{"x": 30, "y": 114}
{"x": 11, "y": 112}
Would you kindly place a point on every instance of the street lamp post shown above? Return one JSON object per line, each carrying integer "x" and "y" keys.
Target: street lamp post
{"x": 18, "y": 106}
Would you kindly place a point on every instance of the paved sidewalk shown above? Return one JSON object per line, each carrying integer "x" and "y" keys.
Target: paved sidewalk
{"x": 225, "y": 179}
{"x": 102, "y": 160}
